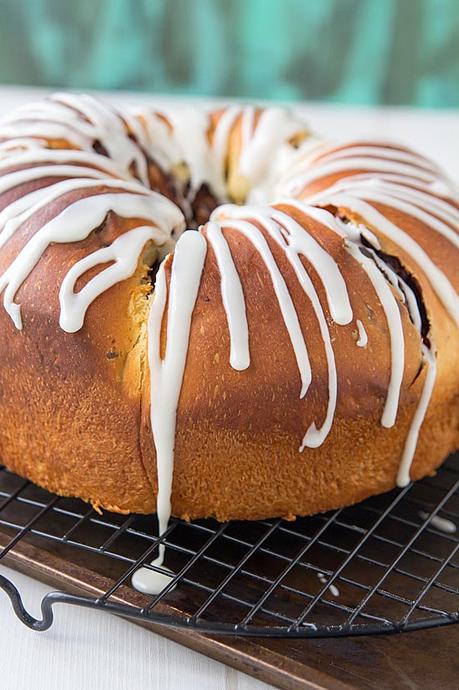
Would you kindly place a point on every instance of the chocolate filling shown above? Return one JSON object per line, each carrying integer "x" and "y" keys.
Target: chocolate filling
{"x": 100, "y": 148}
{"x": 408, "y": 278}
{"x": 394, "y": 263}
{"x": 202, "y": 205}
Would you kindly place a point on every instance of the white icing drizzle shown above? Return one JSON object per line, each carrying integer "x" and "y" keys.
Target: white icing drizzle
{"x": 41, "y": 171}
{"x": 440, "y": 523}
{"x": 81, "y": 120}
{"x": 74, "y": 224}
{"x": 378, "y": 273}
{"x": 124, "y": 252}
{"x": 13, "y": 144}
{"x": 155, "y": 136}
{"x": 164, "y": 137}
{"x": 443, "y": 187}
{"x": 429, "y": 356}
{"x": 194, "y": 149}
{"x": 426, "y": 201}
{"x": 266, "y": 141}
{"x": 363, "y": 337}
{"x": 166, "y": 375}
{"x": 13, "y": 216}
{"x": 369, "y": 174}
{"x": 429, "y": 359}
{"x": 437, "y": 278}
{"x": 313, "y": 173}
{"x": 390, "y": 275}
{"x": 295, "y": 241}
{"x": 379, "y": 161}
{"x": 247, "y": 126}
{"x": 287, "y": 308}
{"x": 379, "y": 150}
{"x": 412, "y": 305}
{"x": 408, "y": 200}
{"x": 220, "y": 142}
{"x": 265, "y": 146}
{"x": 391, "y": 186}
{"x": 232, "y": 297}
{"x": 394, "y": 323}
{"x": 301, "y": 242}
{"x": 41, "y": 156}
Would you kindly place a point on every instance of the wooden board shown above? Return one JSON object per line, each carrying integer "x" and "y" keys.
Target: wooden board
{"x": 425, "y": 659}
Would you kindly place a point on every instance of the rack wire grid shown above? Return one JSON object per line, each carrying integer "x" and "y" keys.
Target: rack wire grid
{"x": 378, "y": 567}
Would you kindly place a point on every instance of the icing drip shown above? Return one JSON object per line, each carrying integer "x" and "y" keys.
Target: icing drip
{"x": 440, "y": 523}
{"x": 437, "y": 278}
{"x": 363, "y": 337}
{"x": 410, "y": 201}
{"x": 396, "y": 155}
{"x": 124, "y": 252}
{"x": 295, "y": 241}
{"x": 287, "y": 308}
{"x": 57, "y": 156}
{"x": 166, "y": 375}
{"x": 429, "y": 357}
{"x": 377, "y": 159}
{"x": 265, "y": 147}
{"x": 41, "y": 171}
{"x": 220, "y": 141}
{"x": 194, "y": 150}
{"x": 81, "y": 120}
{"x": 13, "y": 216}
{"x": 265, "y": 141}
{"x": 74, "y": 224}
{"x": 394, "y": 323}
{"x": 412, "y": 305}
{"x": 155, "y": 136}
{"x": 301, "y": 242}
{"x": 233, "y": 299}
{"x": 298, "y": 183}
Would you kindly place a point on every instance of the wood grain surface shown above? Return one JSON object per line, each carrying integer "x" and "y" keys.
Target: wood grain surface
{"x": 423, "y": 659}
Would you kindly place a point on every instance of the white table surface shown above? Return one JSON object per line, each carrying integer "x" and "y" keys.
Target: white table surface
{"x": 90, "y": 650}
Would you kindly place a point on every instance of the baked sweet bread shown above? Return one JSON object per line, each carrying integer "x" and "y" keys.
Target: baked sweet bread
{"x": 295, "y": 354}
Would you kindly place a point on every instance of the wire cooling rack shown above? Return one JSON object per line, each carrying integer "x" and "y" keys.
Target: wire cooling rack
{"x": 381, "y": 566}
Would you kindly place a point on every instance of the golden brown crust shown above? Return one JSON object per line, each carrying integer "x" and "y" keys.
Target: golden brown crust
{"x": 238, "y": 435}
{"x": 70, "y": 403}
{"x": 74, "y": 408}
{"x": 266, "y": 476}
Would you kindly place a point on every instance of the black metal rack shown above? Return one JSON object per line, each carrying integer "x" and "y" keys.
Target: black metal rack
{"x": 379, "y": 567}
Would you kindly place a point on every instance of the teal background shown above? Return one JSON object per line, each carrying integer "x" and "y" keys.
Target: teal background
{"x": 350, "y": 51}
